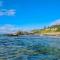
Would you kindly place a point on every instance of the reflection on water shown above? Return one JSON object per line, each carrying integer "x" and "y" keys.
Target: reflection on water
{"x": 29, "y": 48}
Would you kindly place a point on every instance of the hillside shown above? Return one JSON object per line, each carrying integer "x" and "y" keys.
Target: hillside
{"x": 54, "y": 29}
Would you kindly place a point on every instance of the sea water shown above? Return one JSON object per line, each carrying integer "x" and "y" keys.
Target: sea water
{"x": 31, "y": 47}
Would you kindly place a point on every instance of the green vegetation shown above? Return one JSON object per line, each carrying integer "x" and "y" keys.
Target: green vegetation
{"x": 51, "y": 29}
{"x": 46, "y": 30}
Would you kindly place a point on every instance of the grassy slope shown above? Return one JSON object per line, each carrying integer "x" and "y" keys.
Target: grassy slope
{"x": 54, "y": 29}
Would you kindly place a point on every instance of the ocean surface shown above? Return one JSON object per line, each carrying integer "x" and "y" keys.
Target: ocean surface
{"x": 29, "y": 47}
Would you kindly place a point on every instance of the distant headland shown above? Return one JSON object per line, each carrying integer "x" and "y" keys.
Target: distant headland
{"x": 50, "y": 30}
{"x": 53, "y": 30}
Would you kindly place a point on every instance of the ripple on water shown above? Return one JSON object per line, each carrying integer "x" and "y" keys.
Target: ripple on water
{"x": 29, "y": 48}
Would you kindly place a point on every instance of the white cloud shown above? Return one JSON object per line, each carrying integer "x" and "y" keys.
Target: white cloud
{"x": 11, "y": 12}
{"x": 8, "y": 28}
{"x": 56, "y": 22}
{"x": 5, "y": 12}
{"x": 1, "y": 13}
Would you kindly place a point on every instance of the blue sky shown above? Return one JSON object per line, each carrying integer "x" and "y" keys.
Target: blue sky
{"x": 31, "y": 13}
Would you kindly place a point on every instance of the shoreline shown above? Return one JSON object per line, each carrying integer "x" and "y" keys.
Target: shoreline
{"x": 41, "y": 35}
{"x": 51, "y": 35}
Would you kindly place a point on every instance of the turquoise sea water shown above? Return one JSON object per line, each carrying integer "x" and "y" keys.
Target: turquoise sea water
{"x": 29, "y": 48}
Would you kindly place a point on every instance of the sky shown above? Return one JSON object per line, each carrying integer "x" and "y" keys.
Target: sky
{"x": 28, "y": 14}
